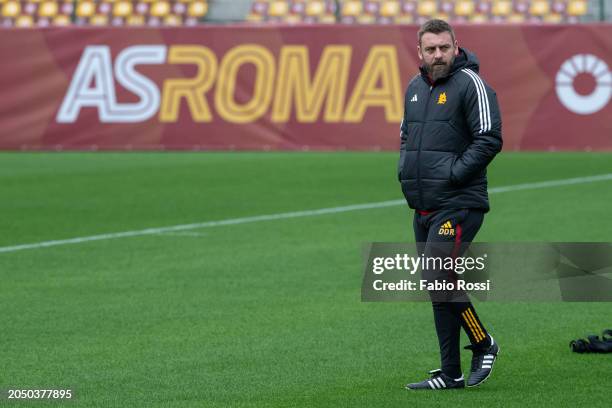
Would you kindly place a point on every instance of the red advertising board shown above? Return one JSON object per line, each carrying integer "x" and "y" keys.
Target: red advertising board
{"x": 333, "y": 87}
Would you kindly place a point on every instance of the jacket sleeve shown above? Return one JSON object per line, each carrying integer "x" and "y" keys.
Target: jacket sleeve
{"x": 403, "y": 141}
{"x": 484, "y": 122}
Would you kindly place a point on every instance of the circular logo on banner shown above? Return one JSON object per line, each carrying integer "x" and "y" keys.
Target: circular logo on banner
{"x": 579, "y": 66}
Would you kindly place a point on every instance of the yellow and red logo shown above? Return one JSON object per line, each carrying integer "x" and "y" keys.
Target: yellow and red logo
{"x": 442, "y": 98}
{"x": 447, "y": 229}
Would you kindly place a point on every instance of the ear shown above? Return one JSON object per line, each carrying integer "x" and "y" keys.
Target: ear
{"x": 419, "y": 52}
{"x": 456, "y": 48}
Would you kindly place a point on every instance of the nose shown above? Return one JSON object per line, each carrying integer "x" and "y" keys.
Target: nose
{"x": 438, "y": 54}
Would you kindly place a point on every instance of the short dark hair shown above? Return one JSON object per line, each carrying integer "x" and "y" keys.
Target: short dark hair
{"x": 436, "y": 26}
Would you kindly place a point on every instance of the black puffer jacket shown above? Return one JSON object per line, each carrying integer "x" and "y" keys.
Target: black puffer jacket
{"x": 450, "y": 132}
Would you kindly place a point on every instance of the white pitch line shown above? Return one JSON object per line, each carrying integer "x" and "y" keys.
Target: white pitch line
{"x": 184, "y": 234}
{"x": 552, "y": 183}
{"x": 294, "y": 214}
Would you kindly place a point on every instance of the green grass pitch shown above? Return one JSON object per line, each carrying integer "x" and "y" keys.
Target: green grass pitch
{"x": 267, "y": 314}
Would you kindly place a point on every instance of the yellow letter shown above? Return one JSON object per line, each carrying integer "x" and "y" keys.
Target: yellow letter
{"x": 381, "y": 67}
{"x": 294, "y": 81}
{"x": 226, "y": 105}
{"x": 192, "y": 89}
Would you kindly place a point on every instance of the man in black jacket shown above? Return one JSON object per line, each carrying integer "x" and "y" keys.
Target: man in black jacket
{"x": 450, "y": 132}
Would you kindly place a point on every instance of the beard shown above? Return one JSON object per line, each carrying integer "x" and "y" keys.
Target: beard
{"x": 439, "y": 69}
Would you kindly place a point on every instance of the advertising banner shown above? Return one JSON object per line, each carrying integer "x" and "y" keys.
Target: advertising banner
{"x": 314, "y": 87}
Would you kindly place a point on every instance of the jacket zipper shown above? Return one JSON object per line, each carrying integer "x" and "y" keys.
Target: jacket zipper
{"x": 420, "y": 187}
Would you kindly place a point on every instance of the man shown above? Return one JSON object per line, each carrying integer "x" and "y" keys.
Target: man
{"x": 450, "y": 132}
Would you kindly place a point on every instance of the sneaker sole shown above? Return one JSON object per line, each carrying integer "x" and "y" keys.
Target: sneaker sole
{"x": 490, "y": 372}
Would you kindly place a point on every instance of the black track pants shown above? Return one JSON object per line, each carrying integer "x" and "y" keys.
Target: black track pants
{"x": 446, "y": 233}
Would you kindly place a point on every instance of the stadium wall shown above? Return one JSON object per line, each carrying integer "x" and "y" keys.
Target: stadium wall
{"x": 286, "y": 87}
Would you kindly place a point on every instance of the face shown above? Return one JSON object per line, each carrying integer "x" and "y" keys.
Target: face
{"x": 438, "y": 52}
